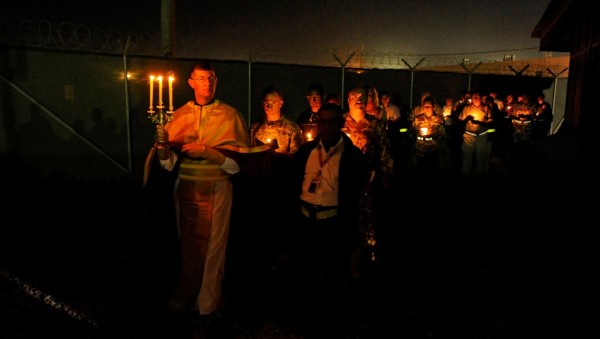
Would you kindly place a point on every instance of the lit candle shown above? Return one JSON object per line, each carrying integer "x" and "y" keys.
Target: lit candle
{"x": 160, "y": 102}
{"x": 170, "y": 93}
{"x": 308, "y": 136}
{"x": 151, "y": 91}
{"x": 424, "y": 130}
{"x": 268, "y": 140}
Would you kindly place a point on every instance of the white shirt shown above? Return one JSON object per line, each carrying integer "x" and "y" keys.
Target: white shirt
{"x": 326, "y": 193}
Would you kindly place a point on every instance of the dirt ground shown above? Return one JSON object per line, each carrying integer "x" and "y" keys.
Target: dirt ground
{"x": 498, "y": 258}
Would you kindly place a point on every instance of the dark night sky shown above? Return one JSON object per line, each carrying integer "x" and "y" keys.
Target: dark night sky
{"x": 407, "y": 27}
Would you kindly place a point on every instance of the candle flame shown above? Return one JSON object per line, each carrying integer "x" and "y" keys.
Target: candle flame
{"x": 160, "y": 88}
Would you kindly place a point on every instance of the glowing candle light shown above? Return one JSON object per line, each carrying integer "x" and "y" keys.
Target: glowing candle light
{"x": 160, "y": 102}
{"x": 151, "y": 91}
{"x": 171, "y": 93}
{"x": 309, "y": 136}
{"x": 424, "y": 130}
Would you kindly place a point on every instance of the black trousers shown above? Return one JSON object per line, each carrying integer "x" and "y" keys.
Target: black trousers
{"x": 321, "y": 262}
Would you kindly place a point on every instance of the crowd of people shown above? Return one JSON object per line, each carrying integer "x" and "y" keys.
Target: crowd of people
{"x": 309, "y": 194}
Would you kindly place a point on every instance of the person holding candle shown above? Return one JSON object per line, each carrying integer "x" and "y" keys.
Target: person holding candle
{"x": 275, "y": 126}
{"x": 428, "y": 133}
{"x": 199, "y": 147}
{"x": 307, "y": 119}
{"x": 272, "y": 195}
{"x": 476, "y": 118}
{"x": 448, "y": 110}
{"x": 437, "y": 109}
{"x": 522, "y": 117}
{"x": 368, "y": 133}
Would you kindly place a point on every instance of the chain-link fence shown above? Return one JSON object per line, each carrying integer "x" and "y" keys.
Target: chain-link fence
{"x": 75, "y": 100}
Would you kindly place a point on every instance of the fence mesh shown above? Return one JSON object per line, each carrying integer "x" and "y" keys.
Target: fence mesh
{"x": 77, "y": 37}
{"x": 75, "y": 98}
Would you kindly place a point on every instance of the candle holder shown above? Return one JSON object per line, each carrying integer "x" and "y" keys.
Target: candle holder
{"x": 160, "y": 116}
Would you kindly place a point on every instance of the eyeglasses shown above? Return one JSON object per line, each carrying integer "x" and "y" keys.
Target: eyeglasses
{"x": 210, "y": 79}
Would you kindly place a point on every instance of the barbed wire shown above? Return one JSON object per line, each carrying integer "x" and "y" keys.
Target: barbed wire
{"x": 77, "y": 37}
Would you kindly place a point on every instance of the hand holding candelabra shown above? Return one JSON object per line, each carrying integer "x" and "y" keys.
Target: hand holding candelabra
{"x": 160, "y": 116}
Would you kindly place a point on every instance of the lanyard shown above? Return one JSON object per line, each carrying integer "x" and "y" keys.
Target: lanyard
{"x": 323, "y": 162}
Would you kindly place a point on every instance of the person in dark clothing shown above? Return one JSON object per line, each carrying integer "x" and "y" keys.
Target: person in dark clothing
{"x": 329, "y": 178}
{"x": 542, "y": 122}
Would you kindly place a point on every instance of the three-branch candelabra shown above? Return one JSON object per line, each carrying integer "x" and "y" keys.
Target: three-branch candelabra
{"x": 160, "y": 116}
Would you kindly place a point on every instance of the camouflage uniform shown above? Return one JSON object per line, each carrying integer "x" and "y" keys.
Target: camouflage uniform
{"x": 522, "y": 117}
{"x": 475, "y": 140}
{"x": 428, "y": 142}
{"x": 369, "y": 135}
{"x": 286, "y": 133}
